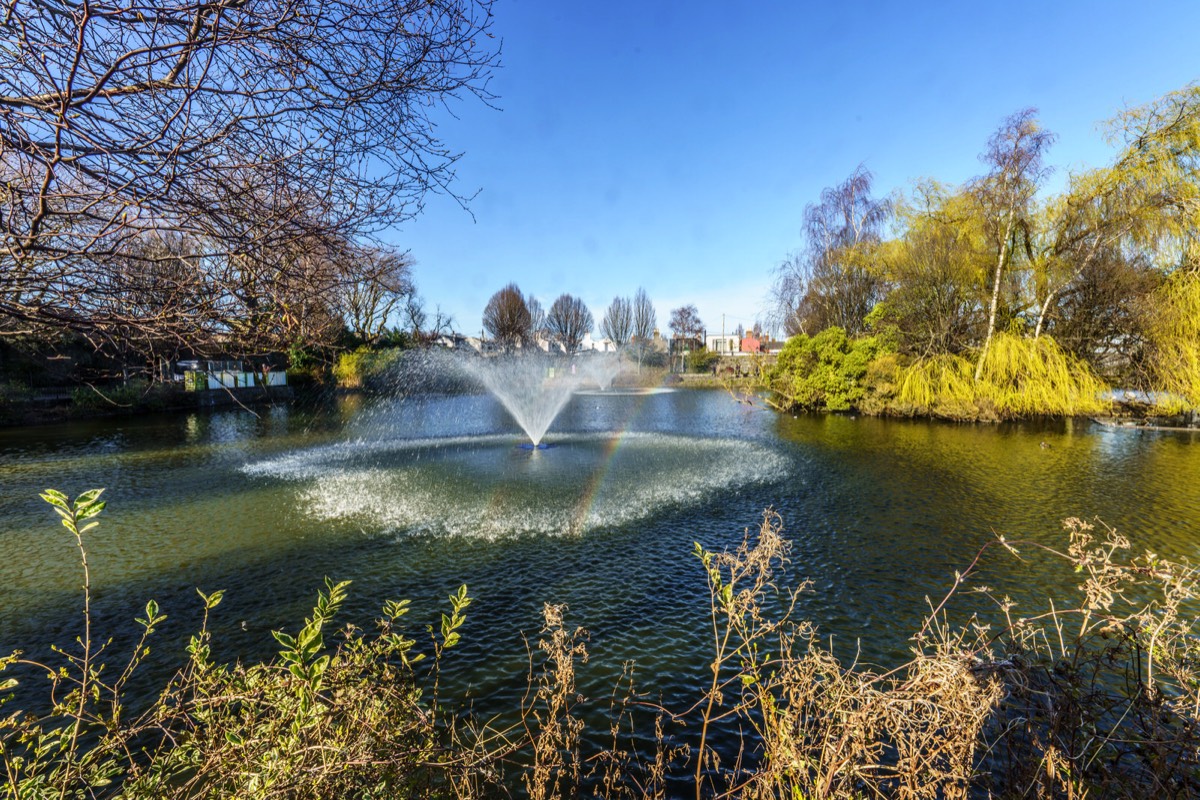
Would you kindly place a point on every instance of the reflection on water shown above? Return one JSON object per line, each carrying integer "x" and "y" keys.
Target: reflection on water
{"x": 882, "y": 512}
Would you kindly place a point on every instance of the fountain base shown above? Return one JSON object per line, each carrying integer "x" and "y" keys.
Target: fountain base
{"x": 532, "y": 446}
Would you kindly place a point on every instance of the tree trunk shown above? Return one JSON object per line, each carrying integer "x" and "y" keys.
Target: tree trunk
{"x": 987, "y": 343}
{"x": 1037, "y": 331}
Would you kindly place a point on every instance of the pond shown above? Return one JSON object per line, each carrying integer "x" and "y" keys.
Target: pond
{"x": 411, "y": 497}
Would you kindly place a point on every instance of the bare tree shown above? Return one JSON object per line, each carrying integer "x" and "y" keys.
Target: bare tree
{"x": 569, "y": 321}
{"x": 1014, "y": 154}
{"x": 834, "y": 282}
{"x": 243, "y": 128}
{"x": 645, "y": 321}
{"x": 686, "y": 325}
{"x": 687, "y": 331}
{"x": 506, "y": 318}
{"x": 537, "y": 319}
{"x": 422, "y": 328}
{"x": 377, "y": 283}
{"x": 617, "y": 325}
{"x": 415, "y": 316}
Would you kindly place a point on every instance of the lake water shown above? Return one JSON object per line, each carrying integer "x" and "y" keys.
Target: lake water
{"x": 412, "y": 497}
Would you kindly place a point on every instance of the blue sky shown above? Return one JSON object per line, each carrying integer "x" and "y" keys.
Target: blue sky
{"x": 674, "y": 145}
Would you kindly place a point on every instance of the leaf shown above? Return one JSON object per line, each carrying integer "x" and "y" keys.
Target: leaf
{"x": 55, "y": 498}
{"x": 88, "y": 497}
{"x": 213, "y": 600}
{"x": 86, "y": 512}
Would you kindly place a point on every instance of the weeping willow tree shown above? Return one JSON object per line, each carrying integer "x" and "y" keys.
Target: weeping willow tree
{"x": 1175, "y": 339}
{"x": 941, "y": 385}
{"x": 1021, "y": 377}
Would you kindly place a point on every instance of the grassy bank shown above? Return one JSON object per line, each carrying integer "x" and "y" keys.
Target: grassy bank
{"x": 1094, "y": 695}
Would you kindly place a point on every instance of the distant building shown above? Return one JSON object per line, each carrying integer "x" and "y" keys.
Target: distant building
{"x": 751, "y": 344}
{"x": 725, "y": 345}
{"x": 604, "y": 345}
{"x": 199, "y": 375}
{"x": 457, "y": 341}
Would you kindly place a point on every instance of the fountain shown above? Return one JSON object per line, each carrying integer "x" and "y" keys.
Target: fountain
{"x": 441, "y": 462}
{"x": 533, "y": 389}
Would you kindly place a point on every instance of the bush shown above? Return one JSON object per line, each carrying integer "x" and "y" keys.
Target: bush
{"x": 1023, "y": 377}
{"x": 13, "y": 392}
{"x": 128, "y": 395}
{"x": 702, "y": 360}
{"x": 250, "y": 731}
{"x": 827, "y": 371}
{"x": 366, "y": 367}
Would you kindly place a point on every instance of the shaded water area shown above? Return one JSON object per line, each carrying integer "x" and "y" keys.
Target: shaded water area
{"x": 412, "y": 497}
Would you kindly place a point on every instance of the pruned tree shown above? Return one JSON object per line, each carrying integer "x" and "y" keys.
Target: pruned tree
{"x": 506, "y": 318}
{"x": 645, "y": 321}
{"x": 1014, "y": 155}
{"x": 251, "y": 131}
{"x": 834, "y": 281}
{"x": 537, "y": 319}
{"x": 568, "y": 322}
{"x": 617, "y": 325}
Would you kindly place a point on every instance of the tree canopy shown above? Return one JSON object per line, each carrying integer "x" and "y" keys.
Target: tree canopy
{"x": 941, "y": 271}
{"x": 568, "y": 322}
{"x": 207, "y": 174}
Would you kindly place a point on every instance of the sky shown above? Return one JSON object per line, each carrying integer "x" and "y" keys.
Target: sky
{"x": 674, "y": 145}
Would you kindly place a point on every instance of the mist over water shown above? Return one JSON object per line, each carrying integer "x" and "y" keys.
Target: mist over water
{"x": 445, "y": 473}
{"x": 483, "y": 486}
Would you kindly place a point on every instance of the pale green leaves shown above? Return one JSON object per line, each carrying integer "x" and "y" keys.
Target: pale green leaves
{"x": 451, "y": 623}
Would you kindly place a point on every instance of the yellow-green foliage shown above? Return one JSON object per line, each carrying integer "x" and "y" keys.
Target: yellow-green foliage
{"x": 1022, "y": 377}
{"x": 363, "y": 366}
{"x": 942, "y": 385}
{"x": 1175, "y": 334}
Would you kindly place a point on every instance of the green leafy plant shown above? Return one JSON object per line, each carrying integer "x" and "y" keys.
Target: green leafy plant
{"x": 826, "y": 371}
{"x": 344, "y": 719}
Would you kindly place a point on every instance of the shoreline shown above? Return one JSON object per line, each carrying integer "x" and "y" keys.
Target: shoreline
{"x": 33, "y": 413}
{"x": 58, "y": 409}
